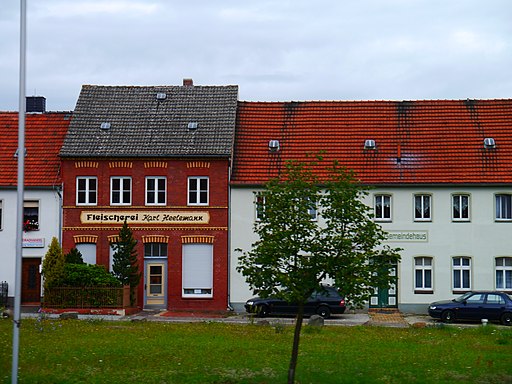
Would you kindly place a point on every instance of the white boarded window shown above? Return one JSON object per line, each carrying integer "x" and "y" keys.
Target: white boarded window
{"x": 197, "y": 270}
{"x": 88, "y": 251}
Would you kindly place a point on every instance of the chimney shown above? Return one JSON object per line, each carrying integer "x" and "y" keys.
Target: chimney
{"x": 36, "y": 104}
{"x": 188, "y": 82}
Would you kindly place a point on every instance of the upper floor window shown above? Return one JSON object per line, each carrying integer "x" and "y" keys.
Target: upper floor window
{"x": 504, "y": 273}
{"x": 259, "y": 203}
{"x": 382, "y": 210}
{"x": 423, "y": 274}
{"x": 156, "y": 190}
{"x": 86, "y": 191}
{"x": 30, "y": 216}
{"x": 120, "y": 190}
{"x": 198, "y": 190}
{"x": 422, "y": 207}
{"x": 461, "y": 268}
{"x": 503, "y": 207}
{"x": 460, "y": 207}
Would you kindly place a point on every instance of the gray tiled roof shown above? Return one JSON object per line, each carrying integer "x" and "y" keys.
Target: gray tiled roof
{"x": 142, "y": 126}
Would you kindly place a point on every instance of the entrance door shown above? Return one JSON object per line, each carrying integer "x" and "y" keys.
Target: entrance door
{"x": 387, "y": 297}
{"x": 31, "y": 281}
{"x": 155, "y": 285}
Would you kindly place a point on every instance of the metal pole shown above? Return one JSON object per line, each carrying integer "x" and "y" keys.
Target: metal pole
{"x": 21, "y": 182}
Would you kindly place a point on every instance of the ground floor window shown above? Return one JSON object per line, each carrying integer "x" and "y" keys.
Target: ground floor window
{"x": 461, "y": 268}
{"x": 197, "y": 270}
{"x": 423, "y": 275}
{"x": 504, "y": 273}
{"x": 88, "y": 251}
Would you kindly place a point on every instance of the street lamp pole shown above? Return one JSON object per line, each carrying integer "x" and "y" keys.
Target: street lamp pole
{"x": 21, "y": 184}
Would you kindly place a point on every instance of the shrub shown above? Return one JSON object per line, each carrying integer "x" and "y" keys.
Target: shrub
{"x": 74, "y": 257}
{"x": 88, "y": 275}
{"x": 53, "y": 265}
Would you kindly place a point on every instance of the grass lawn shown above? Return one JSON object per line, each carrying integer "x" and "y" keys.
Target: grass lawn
{"x": 75, "y": 351}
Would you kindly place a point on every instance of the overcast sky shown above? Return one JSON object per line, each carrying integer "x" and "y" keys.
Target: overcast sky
{"x": 278, "y": 50}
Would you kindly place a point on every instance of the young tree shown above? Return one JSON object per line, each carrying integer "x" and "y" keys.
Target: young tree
{"x": 125, "y": 264}
{"x": 53, "y": 265}
{"x": 73, "y": 257}
{"x": 295, "y": 254}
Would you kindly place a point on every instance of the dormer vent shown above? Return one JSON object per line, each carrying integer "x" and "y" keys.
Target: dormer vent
{"x": 370, "y": 144}
{"x": 105, "y": 126}
{"x": 489, "y": 143}
{"x": 161, "y": 96}
{"x": 192, "y": 126}
{"x": 273, "y": 145}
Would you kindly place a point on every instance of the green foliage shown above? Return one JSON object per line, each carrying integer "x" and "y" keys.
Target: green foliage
{"x": 88, "y": 275}
{"x": 125, "y": 265}
{"x": 74, "y": 257}
{"x": 53, "y": 265}
{"x": 295, "y": 254}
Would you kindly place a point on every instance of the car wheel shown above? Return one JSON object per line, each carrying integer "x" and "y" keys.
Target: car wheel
{"x": 323, "y": 311}
{"x": 506, "y": 318}
{"x": 262, "y": 310}
{"x": 448, "y": 316}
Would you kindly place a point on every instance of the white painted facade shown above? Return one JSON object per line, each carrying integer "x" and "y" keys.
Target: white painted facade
{"x": 481, "y": 239}
{"x": 35, "y": 243}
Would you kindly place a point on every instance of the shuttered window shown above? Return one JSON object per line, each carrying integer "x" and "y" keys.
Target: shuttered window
{"x": 197, "y": 270}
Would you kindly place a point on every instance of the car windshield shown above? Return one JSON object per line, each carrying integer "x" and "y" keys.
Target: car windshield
{"x": 460, "y": 299}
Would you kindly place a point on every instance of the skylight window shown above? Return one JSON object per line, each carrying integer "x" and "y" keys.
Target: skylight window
{"x": 489, "y": 143}
{"x": 370, "y": 144}
{"x": 105, "y": 125}
{"x": 273, "y": 145}
{"x": 161, "y": 96}
{"x": 192, "y": 126}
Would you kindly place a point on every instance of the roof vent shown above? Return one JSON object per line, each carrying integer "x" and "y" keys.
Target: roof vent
{"x": 489, "y": 143}
{"x": 161, "y": 96}
{"x": 105, "y": 126}
{"x": 192, "y": 126}
{"x": 273, "y": 145}
{"x": 370, "y": 144}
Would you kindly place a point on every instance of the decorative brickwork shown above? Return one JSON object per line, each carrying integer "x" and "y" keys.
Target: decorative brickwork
{"x": 85, "y": 239}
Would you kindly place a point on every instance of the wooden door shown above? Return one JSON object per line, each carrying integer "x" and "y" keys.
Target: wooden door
{"x": 31, "y": 281}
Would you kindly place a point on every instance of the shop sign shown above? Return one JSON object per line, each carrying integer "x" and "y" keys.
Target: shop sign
{"x": 144, "y": 217}
{"x": 33, "y": 243}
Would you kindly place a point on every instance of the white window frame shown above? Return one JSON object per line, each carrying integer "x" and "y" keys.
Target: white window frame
{"x": 463, "y": 271}
{"x": 32, "y": 204}
{"x": 156, "y": 191}
{"x": 198, "y": 192}
{"x": 458, "y": 203}
{"x": 197, "y": 270}
{"x": 423, "y": 197}
{"x": 151, "y": 254}
{"x": 1, "y": 214}
{"x": 123, "y": 188}
{"x": 503, "y": 206}
{"x": 87, "y": 191}
{"x": 503, "y": 272}
{"x": 424, "y": 265}
{"x": 89, "y": 252}
{"x": 380, "y": 199}
{"x": 259, "y": 205}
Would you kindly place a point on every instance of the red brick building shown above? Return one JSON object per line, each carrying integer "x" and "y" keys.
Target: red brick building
{"x": 159, "y": 158}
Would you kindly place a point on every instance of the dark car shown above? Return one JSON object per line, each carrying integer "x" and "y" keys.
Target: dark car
{"x": 324, "y": 303}
{"x": 490, "y": 305}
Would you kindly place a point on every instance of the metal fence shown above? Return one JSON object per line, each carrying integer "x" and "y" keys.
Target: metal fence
{"x": 4, "y": 291}
{"x": 87, "y": 297}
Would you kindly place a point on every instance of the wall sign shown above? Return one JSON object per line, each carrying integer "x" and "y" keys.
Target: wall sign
{"x": 407, "y": 236}
{"x": 144, "y": 217}
{"x": 33, "y": 243}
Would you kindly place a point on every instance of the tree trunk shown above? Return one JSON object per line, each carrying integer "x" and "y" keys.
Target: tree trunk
{"x": 296, "y": 340}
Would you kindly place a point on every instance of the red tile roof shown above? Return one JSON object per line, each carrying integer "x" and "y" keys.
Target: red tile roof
{"x": 417, "y": 142}
{"x": 44, "y": 135}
